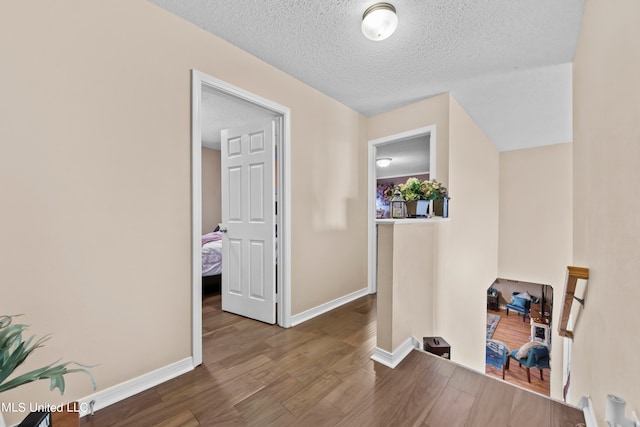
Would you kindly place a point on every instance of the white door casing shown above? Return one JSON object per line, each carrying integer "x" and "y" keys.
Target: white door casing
{"x": 200, "y": 81}
{"x": 248, "y": 216}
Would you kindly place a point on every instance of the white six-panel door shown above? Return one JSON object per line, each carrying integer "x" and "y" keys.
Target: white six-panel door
{"x": 248, "y": 217}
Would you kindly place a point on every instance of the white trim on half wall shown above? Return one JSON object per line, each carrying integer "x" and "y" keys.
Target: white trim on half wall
{"x": 393, "y": 359}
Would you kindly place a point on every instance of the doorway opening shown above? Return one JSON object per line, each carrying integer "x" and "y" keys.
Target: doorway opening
{"x": 401, "y": 160}
{"x": 216, "y": 105}
{"x": 401, "y": 146}
{"x": 519, "y": 324}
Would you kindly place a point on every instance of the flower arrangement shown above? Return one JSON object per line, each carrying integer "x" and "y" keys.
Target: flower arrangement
{"x": 414, "y": 189}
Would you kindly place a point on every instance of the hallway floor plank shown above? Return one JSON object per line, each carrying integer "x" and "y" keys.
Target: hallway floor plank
{"x": 320, "y": 374}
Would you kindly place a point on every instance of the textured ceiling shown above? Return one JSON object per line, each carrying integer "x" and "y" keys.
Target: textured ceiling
{"x": 506, "y": 61}
{"x": 408, "y": 157}
{"x": 221, "y": 111}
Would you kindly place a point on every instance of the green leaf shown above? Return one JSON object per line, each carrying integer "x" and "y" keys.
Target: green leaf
{"x": 14, "y": 351}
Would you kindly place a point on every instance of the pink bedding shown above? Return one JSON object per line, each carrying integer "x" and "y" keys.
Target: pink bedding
{"x": 214, "y": 236}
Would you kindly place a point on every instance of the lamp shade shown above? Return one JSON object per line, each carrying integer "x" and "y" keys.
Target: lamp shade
{"x": 383, "y": 162}
{"x": 379, "y": 21}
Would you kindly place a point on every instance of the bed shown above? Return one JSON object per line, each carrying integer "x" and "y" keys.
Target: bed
{"x": 212, "y": 258}
{"x": 212, "y": 261}
{"x": 212, "y": 254}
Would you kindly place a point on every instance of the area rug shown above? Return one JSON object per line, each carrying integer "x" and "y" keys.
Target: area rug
{"x": 492, "y": 323}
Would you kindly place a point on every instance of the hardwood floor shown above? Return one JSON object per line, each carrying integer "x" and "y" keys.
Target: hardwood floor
{"x": 320, "y": 374}
{"x": 514, "y": 333}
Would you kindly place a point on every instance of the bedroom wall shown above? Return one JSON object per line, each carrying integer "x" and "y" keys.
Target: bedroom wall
{"x": 211, "y": 196}
{"x": 606, "y": 213}
{"x": 536, "y": 217}
{"x": 401, "y": 179}
{"x": 96, "y": 230}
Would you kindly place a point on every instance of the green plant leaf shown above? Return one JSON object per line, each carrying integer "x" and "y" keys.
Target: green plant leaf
{"x": 14, "y": 351}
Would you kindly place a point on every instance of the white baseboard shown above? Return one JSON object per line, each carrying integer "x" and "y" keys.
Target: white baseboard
{"x": 392, "y": 360}
{"x": 296, "y": 319}
{"x": 587, "y": 409}
{"x": 118, "y": 392}
{"x": 417, "y": 344}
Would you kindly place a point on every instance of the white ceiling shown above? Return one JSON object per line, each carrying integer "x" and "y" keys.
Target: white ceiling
{"x": 408, "y": 157}
{"x": 221, "y": 111}
{"x": 506, "y": 61}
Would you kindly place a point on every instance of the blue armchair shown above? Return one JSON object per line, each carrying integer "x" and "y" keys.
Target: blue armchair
{"x": 497, "y": 355}
{"x": 520, "y": 305}
{"x": 537, "y": 357}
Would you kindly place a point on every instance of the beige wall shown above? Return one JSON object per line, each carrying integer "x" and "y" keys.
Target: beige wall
{"x": 405, "y": 291}
{"x": 464, "y": 261}
{"x": 428, "y": 112}
{"x": 211, "y": 196}
{"x": 96, "y": 235}
{"x": 89, "y": 92}
{"x": 329, "y": 246}
{"x": 536, "y": 214}
{"x": 384, "y": 296}
{"x": 606, "y": 202}
{"x": 536, "y": 226}
{"x": 468, "y": 246}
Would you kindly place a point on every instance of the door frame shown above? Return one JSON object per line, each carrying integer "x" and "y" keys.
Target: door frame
{"x": 371, "y": 191}
{"x": 283, "y": 298}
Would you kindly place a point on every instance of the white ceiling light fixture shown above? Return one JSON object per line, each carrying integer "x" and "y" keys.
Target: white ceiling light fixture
{"x": 379, "y": 21}
{"x": 383, "y": 162}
